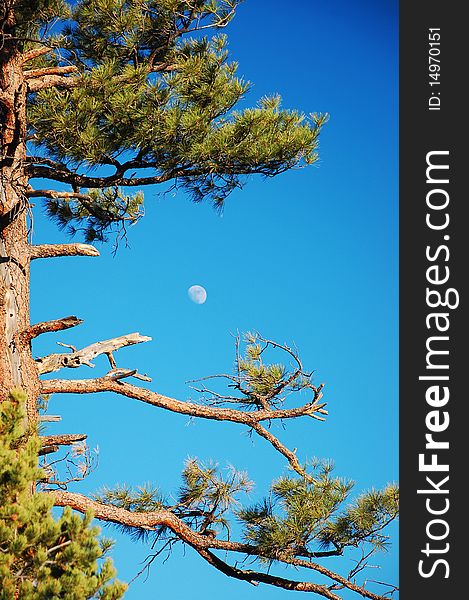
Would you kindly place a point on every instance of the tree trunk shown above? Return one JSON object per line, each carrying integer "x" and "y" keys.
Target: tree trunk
{"x": 17, "y": 368}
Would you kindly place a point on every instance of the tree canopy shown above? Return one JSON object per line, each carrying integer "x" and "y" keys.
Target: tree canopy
{"x": 137, "y": 87}
{"x": 99, "y": 98}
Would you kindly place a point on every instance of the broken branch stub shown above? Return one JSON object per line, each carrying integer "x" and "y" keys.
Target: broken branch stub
{"x": 50, "y": 327}
{"x": 63, "y": 439}
{"x": 56, "y": 250}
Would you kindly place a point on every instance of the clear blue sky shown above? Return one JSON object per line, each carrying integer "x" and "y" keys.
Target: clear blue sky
{"x": 309, "y": 257}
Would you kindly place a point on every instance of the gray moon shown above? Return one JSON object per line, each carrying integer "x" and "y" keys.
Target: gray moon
{"x": 197, "y": 294}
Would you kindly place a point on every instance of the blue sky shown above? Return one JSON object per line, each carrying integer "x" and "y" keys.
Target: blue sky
{"x": 309, "y": 257}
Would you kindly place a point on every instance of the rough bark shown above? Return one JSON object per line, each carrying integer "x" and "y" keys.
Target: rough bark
{"x": 17, "y": 368}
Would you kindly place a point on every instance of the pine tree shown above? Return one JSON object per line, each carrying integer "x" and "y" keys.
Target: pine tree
{"x": 42, "y": 558}
{"x": 114, "y": 95}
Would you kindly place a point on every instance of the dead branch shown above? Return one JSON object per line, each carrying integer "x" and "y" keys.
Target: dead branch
{"x": 64, "y": 439}
{"x": 31, "y": 193}
{"x": 50, "y": 81}
{"x": 75, "y": 466}
{"x": 74, "y": 359}
{"x": 118, "y": 374}
{"x": 56, "y": 250}
{"x": 49, "y": 418}
{"x": 48, "y": 450}
{"x": 49, "y": 327}
{"x": 37, "y": 73}
{"x": 35, "y": 53}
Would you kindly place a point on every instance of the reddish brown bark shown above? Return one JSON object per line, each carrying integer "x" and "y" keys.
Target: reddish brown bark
{"x": 17, "y": 368}
{"x": 191, "y": 409}
{"x": 50, "y": 326}
{"x": 203, "y": 544}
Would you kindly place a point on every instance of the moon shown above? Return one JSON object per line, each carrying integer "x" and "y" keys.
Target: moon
{"x": 197, "y": 294}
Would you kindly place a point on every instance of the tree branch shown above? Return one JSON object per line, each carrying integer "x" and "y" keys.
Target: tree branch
{"x": 64, "y": 439}
{"x": 39, "y": 73}
{"x": 35, "y": 53}
{"x": 75, "y": 179}
{"x": 107, "y": 384}
{"x": 289, "y": 454}
{"x": 202, "y": 544}
{"x": 77, "y": 358}
{"x": 112, "y": 382}
{"x": 256, "y": 577}
{"x": 48, "y": 450}
{"x": 31, "y": 193}
{"x": 49, "y": 418}
{"x": 49, "y": 327}
{"x": 49, "y": 81}
{"x": 59, "y": 172}
{"x": 56, "y": 250}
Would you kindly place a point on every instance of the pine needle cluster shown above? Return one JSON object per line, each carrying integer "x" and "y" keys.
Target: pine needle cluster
{"x": 98, "y": 214}
{"x": 302, "y": 517}
{"x": 260, "y": 382}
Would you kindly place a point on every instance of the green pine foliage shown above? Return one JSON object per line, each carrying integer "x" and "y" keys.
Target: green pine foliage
{"x": 303, "y": 516}
{"x": 205, "y": 496}
{"x": 43, "y": 558}
{"x": 153, "y": 98}
{"x": 158, "y": 97}
{"x": 102, "y": 212}
{"x": 144, "y": 498}
{"x": 32, "y": 16}
{"x": 258, "y": 382}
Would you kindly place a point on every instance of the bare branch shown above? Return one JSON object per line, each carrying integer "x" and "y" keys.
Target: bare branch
{"x": 36, "y": 73}
{"x": 48, "y": 450}
{"x": 72, "y": 360}
{"x": 119, "y": 374}
{"x": 256, "y": 577}
{"x": 75, "y": 466}
{"x": 289, "y": 454}
{"x": 49, "y": 327}
{"x": 35, "y": 53}
{"x": 49, "y": 418}
{"x": 31, "y": 193}
{"x": 56, "y": 250}
{"x": 64, "y": 439}
{"x": 49, "y": 81}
